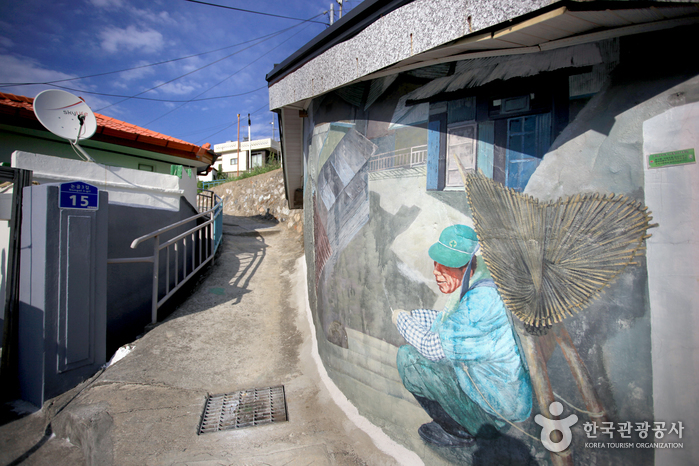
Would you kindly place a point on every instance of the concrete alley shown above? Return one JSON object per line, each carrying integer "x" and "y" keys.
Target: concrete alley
{"x": 244, "y": 327}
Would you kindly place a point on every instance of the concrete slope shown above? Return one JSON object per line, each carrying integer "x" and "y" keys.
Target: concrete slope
{"x": 241, "y": 329}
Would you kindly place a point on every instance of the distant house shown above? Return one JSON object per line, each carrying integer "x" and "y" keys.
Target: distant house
{"x": 252, "y": 154}
{"x": 115, "y": 143}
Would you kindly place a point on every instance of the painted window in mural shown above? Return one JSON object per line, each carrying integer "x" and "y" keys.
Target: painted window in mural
{"x": 461, "y": 144}
{"x": 528, "y": 138}
{"x": 505, "y": 138}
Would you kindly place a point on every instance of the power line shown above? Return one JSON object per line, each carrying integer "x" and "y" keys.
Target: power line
{"x": 232, "y": 124}
{"x": 141, "y": 66}
{"x": 227, "y": 78}
{"x": 83, "y": 91}
{"x": 193, "y": 133}
{"x": 255, "y": 12}
{"x": 199, "y": 69}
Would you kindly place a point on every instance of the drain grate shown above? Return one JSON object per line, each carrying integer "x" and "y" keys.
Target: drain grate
{"x": 246, "y": 408}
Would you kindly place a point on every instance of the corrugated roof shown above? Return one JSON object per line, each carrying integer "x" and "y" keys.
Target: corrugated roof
{"x": 113, "y": 131}
{"x": 480, "y": 71}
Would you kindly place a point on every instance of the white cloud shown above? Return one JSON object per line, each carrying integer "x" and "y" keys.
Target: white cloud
{"x": 107, "y": 3}
{"x": 6, "y": 43}
{"x": 178, "y": 88}
{"x": 114, "y": 39}
{"x": 22, "y": 69}
{"x": 165, "y": 17}
{"x": 137, "y": 73}
{"x": 17, "y": 69}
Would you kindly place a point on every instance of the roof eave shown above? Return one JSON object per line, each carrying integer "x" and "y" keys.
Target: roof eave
{"x": 357, "y": 19}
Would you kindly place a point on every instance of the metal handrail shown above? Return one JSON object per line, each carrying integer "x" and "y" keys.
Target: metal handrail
{"x": 212, "y": 183}
{"x": 213, "y": 226}
{"x": 148, "y": 236}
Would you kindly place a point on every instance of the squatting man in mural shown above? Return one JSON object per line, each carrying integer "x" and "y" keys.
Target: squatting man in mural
{"x": 463, "y": 365}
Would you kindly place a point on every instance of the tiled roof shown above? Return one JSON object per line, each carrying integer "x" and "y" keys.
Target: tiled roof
{"x": 112, "y": 130}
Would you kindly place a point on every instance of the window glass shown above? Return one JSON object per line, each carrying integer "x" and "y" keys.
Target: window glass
{"x": 461, "y": 144}
{"x": 528, "y": 138}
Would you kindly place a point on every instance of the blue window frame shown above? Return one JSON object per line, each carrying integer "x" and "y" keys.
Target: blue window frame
{"x": 523, "y": 141}
{"x": 528, "y": 138}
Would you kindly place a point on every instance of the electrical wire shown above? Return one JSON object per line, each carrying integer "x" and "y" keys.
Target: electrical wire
{"x": 220, "y": 131}
{"x": 126, "y": 97}
{"x": 227, "y": 78}
{"x": 140, "y": 66}
{"x": 197, "y": 69}
{"x": 216, "y": 61}
{"x": 255, "y": 12}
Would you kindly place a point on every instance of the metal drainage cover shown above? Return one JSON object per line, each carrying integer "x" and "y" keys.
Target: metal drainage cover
{"x": 246, "y": 408}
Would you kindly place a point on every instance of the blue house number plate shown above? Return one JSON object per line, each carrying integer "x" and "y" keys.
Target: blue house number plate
{"x": 78, "y": 195}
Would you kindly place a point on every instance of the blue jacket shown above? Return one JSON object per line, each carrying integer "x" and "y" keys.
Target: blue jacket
{"x": 477, "y": 336}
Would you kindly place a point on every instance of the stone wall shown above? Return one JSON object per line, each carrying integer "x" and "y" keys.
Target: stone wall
{"x": 260, "y": 195}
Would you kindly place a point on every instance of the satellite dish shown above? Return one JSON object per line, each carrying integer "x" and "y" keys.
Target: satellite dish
{"x": 65, "y": 115}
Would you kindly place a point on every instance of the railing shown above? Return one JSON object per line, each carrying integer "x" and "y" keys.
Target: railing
{"x": 204, "y": 238}
{"x": 210, "y": 184}
{"x": 408, "y": 157}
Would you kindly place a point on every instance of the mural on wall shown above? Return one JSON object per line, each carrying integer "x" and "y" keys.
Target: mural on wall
{"x": 466, "y": 365}
{"x": 463, "y": 365}
{"x": 490, "y": 362}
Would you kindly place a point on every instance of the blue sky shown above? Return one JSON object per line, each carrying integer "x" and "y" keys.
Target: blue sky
{"x": 49, "y": 40}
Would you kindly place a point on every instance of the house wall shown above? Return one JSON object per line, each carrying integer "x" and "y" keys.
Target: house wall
{"x": 232, "y": 161}
{"x": 139, "y": 203}
{"x": 126, "y": 186}
{"x": 4, "y": 241}
{"x": 370, "y": 221}
{"x": 41, "y": 142}
{"x": 129, "y": 286}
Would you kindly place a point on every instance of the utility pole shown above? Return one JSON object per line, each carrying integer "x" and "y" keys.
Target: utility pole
{"x": 249, "y": 142}
{"x": 238, "y": 147}
{"x": 332, "y": 13}
{"x": 340, "y": 2}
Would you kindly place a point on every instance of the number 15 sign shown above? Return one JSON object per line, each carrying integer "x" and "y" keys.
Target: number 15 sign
{"x": 78, "y": 195}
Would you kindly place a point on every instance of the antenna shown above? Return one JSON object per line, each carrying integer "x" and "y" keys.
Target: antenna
{"x": 67, "y": 116}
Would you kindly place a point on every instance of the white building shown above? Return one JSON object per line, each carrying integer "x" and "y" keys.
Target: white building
{"x": 252, "y": 154}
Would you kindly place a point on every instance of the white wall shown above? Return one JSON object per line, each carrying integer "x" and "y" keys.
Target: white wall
{"x": 5, "y": 214}
{"x": 229, "y": 150}
{"x": 672, "y": 194}
{"x": 126, "y": 186}
{"x": 231, "y": 160}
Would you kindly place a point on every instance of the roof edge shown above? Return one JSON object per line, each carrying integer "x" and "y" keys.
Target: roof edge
{"x": 346, "y": 27}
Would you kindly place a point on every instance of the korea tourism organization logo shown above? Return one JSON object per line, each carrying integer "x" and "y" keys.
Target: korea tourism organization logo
{"x": 607, "y": 434}
{"x": 549, "y": 426}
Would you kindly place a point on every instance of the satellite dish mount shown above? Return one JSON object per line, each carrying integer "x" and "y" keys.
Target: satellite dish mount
{"x": 67, "y": 116}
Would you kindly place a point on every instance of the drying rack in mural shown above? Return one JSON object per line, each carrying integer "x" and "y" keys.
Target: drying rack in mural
{"x": 549, "y": 260}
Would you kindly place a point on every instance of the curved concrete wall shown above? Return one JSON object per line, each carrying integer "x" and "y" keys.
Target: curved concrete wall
{"x": 372, "y": 212}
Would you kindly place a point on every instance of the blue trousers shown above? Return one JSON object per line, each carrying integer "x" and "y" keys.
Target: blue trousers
{"x": 436, "y": 381}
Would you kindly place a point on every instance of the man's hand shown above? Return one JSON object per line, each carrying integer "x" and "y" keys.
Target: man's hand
{"x": 394, "y": 316}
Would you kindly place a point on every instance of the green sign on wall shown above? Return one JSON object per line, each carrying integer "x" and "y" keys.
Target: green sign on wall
{"x": 677, "y": 157}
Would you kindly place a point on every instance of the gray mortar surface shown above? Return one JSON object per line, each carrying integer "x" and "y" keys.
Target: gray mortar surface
{"x": 242, "y": 328}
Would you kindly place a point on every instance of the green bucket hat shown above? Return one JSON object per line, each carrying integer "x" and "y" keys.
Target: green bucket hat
{"x": 455, "y": 246}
